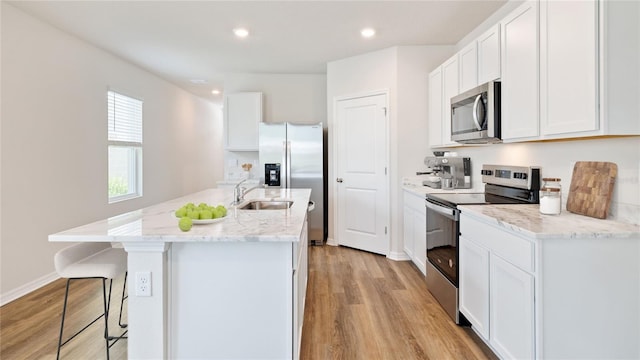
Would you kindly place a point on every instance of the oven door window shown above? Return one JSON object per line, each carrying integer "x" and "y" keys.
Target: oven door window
{"x": 442, "y": 244}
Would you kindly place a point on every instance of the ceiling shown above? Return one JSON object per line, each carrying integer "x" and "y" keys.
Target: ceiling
{"x": 193, "y": 40}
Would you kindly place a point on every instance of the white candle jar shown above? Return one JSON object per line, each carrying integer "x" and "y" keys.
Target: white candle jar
{"x": 551, "y": 196}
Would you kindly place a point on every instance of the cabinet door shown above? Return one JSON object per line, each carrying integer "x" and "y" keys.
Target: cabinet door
{"x": 520, "y": 73}
{"x": 468, "y": 58}
{"x": 243, "y": 113}
{"x": 300, "y": 276}
{"x": 450, "y": 88}
{"x": 435, "y": 107}
{"x": 512, "y": 310}
{"x": 474, "y": 285}
{"x": 568, "y": 66}
{"x": 407, "y": 219}
{"x": 420, "y": 238}
{"x": 489, "y": 55}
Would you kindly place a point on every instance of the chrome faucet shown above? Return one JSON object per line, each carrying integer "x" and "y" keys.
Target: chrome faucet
{"x": 240, "y": 192}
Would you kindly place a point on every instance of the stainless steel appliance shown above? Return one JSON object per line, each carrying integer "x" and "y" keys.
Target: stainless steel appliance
{"x": 291, "y": 156}
{"x": 475, "y": 115}
{"x": 454, "y": 172}
{"x": 503, "y": 185}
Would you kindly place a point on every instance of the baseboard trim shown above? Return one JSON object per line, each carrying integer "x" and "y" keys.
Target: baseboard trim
{"x": 23, "y": 290}
{"x": 332, "y": 242}
{"x": 398, "y": 256}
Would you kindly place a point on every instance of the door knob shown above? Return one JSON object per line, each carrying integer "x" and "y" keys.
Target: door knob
{"x": 339, "y": 180}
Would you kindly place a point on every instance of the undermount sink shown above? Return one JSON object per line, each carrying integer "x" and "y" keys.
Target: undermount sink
{"x": 266, "y": 205}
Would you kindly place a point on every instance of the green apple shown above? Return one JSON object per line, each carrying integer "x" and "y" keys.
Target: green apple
{"x": 206, "y": 214}
{"x": 185, "y": 224}
{"x": 182, "y": 212}
{"x": 193, "y": 214}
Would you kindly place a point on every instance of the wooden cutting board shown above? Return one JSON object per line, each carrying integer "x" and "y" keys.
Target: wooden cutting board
{"x": 591, "y": 188}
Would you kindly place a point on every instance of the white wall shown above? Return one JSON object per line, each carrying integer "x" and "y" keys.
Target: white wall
{"x": 54, "y": 142}
{"x": 403, "y": 72}
{"x": 295, "y": 98}
{"x": 557, "y": 159}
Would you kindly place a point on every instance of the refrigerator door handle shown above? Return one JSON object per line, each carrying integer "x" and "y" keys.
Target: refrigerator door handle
{"x": 288, "y": 165}
{"x": 283, "y": 173}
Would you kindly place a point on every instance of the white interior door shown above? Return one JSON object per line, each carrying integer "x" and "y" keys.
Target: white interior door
{"x": 361, "y": 180}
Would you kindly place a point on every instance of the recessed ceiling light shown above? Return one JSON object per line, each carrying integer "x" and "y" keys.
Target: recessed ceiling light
{"x": 198, "y": 81}
{"x": 241, "y": 32}
{"x": 368, "y": 32}
{"x": 215, "y": 92}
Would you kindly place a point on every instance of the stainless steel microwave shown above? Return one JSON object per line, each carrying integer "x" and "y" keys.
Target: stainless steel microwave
{"x": 475, "y": 115}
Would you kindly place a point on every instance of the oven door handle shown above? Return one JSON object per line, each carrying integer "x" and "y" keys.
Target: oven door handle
{"x": 445, "y": 211}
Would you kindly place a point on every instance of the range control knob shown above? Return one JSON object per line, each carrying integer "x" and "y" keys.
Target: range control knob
{"x": 486, "y": 172}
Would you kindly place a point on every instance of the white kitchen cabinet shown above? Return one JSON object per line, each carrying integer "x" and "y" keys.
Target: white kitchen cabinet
{"x": 589, "y": 66}
{"x": 474, "y": 285}
{"x": 497, "y": 287}
{"x": 415, "y": 229}
{"x": 511, "y": 310}
{"x": 489, "y": 55}
{"x": 468, "y": 59}
{"x": 300, "y": 276}
{"x": 450, "y": 88}
{"x": 242, "y": 114}
{"x": 519, "y": 60}
{"x": 540, "y": 283}
{"x": 435, "y": 107}
{"x": 568, "y": 66}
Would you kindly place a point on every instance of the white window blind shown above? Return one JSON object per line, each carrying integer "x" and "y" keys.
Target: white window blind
{"x": 124, "y": 122}
{"x": 125, "y": 118}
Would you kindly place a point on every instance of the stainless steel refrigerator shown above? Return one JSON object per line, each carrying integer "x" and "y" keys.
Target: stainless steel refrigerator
{"x": 291, "y": 156}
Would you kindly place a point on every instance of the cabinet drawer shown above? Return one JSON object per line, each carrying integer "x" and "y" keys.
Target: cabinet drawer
{"x": 415, "y": 202}
{"x": 516, "y": 250}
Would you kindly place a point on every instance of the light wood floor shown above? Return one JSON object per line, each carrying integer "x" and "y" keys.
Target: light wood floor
{"x": 359, "y": 306}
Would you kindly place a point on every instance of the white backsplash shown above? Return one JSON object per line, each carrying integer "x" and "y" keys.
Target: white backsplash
{"x": 233, "y": 165}
{"x": 557, "y": 158}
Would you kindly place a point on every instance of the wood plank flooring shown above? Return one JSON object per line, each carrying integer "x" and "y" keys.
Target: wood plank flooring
{"x": 359, "y": 306}
{"x": 364, "y": 306}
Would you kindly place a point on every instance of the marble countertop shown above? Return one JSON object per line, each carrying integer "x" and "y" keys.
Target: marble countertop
{"x": 422, "y": 191}
{"x": 157, "y": 223}
{"x": 248, "y": 182}
{"x": 527, "y": 220}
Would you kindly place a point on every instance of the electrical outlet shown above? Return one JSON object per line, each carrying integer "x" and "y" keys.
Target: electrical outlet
{"x": 143, "y": 283}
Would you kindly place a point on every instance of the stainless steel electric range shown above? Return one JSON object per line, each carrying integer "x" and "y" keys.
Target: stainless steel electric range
{"x": 503, "y": 185}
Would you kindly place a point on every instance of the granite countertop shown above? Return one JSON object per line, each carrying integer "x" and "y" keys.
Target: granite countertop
{"x": 527, "y": 220}
{"x": 158, "y": 223}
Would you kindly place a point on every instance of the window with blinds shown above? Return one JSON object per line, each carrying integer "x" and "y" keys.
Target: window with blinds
{"x": 124, "y": 123}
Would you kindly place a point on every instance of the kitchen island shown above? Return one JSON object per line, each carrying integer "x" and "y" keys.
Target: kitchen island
{"x": 231, "y": 289}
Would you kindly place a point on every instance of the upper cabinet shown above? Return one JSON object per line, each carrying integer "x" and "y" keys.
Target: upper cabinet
{"x": 568, "y": 66}
{"x": 519, "y": 61}
{"x": 489, "y": 55}
{"x": 450, "y": 88}
{"x": 435, "y": 107}
{"x": 242, "y": 114}
{"x": 568, "y": 69}
{"x": 589, "y": 68}
{"x": 468, "y": 59}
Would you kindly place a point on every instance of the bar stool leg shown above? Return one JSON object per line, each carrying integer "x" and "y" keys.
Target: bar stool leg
{"x": 124, "y": 287}
{"x": 64, "y": 311}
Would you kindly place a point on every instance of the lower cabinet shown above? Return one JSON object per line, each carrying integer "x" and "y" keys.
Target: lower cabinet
{"x": 511, "y": 310}
{"x": 550, "y": 295}
{"x": 474, "y": 285}
{"x": 496, "y": 296}
{"x": 415, "y": 229}
{"x": 300, "y": 276}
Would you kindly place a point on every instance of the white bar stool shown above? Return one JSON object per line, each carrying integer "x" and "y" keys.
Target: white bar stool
{"x": 92, "y": 261}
